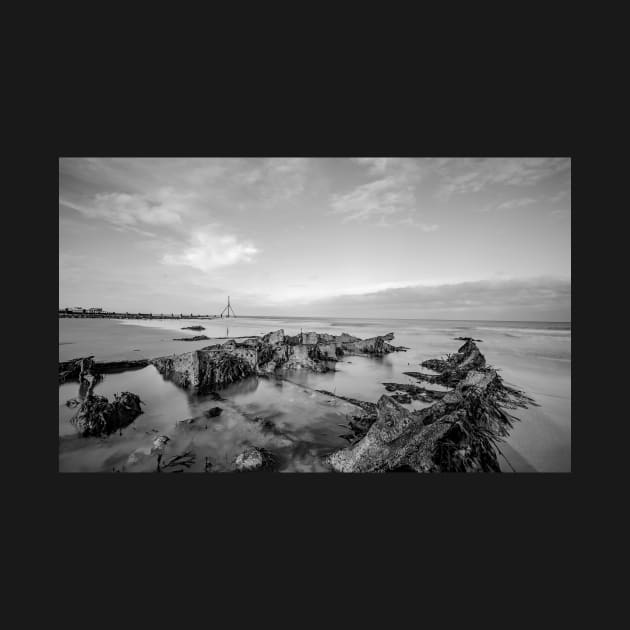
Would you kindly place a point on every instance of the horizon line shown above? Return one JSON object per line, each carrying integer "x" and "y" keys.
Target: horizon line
{"x": 441, "y": 319}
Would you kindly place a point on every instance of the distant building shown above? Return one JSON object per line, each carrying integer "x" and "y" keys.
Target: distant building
{"x": 95, "y": 310}
{"x": 76, "y": 309}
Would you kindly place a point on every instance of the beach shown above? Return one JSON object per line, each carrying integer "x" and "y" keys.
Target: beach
{"x": 531, "y": 356}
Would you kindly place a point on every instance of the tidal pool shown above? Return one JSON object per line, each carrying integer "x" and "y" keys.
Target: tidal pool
{"x": 533, "y": 356}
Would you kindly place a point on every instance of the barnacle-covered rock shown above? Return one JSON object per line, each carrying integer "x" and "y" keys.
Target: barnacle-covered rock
{"x": 96, "y": 416}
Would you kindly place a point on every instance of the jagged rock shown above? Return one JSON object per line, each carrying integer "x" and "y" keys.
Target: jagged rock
{"x": 254, "y": 459}
{"x": 75, "y": 368}
{"x": 374, "y": 345}
{"x": 456, "y": 434}
{"x": 415, "y": 392}
{"x": 206, "y": 369}
{"x": 213, "y": 412}
{"x": 304, "y": 356}
{"x": 215, "y": 366}
{"x": 195, "y": 338}
{"x": 454, "y": 368}
{"x": 96, "y": 416}
{"x": 274, "y": 338}
{"x": 346, "y": 338}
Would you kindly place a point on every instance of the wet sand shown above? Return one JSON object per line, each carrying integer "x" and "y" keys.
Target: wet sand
{"x": 533, "y": 357}
{"x": 112, "y": 340}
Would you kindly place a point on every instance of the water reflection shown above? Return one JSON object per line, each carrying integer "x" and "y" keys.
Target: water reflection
{"x": 246, "y": 386}
{"x": 304, "y": 424}
{"x": 287, "y": 419}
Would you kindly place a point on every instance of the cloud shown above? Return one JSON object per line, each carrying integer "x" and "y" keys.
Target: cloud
{"x": 268, "y": 180}
{"x": 282, "y": 178}
{"x": 164, "y": 207}
{"x": 378, "y": 198}
{"x": 471, "y": 175}
{"x": 392, "y": 193}
{"x": 536, "y": 298}
{"x": 208, "y": 251}
{"x": 559, "y": 196}
{"x": 374, "y": 165}
{"x": 561, "y": 212}
{"x": 425, "y": 227}
{"x": 514, "y": 203}
{"x": 308, "y": 293}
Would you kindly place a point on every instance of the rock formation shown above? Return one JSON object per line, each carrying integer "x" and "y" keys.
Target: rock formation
{"x": 76, "y": 369}
{"x": 96, "y": 416}
{"x": 254, "y": 459}
{"x": 458, "y": 433}
{"x": 206, "y": 369}
{"x": 218, "y": 365}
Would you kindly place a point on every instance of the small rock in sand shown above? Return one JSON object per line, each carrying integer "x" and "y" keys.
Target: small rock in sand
{"x": 254, "y": 459}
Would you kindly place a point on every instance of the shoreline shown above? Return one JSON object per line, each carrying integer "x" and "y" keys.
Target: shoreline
{"x": 541, "y": 365}
{"x": 428, "y": 438}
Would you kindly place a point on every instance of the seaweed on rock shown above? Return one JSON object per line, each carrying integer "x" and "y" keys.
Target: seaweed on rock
{"x": 96, "y": 416}
{"x": 458, "y": 433}
{"x": 213, "y": 367}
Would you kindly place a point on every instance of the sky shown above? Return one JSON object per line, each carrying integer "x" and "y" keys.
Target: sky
{"x": 429, "y": 238}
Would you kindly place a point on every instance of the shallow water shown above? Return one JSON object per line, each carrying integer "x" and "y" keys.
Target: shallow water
{"x": 535, "y": 357}
{"x": 306, "y": 424}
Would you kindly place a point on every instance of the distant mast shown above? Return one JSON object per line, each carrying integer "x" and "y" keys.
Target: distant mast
{"x": 228, "y": 308}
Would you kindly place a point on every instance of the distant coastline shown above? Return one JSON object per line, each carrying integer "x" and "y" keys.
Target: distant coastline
{"x": 124, "y": 315}
{"x": 63, "y": 313}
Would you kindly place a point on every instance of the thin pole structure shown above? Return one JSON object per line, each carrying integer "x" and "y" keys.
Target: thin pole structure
{"x": 228, "y": 308}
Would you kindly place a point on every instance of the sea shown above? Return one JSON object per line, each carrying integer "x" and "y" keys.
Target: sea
{"x": 532, "y": 356}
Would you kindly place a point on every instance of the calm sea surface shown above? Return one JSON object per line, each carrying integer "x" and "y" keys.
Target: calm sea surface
{"x": 533, "y": 356}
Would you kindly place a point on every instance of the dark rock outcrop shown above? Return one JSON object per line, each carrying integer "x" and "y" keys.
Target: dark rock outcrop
{"x": 454, "y": 368}
{"x": 195, "y": 338}
{"x": 111, "y": 367}
{"x": 96, "y": 416}
{"x": 215, "y": 366}
{"x": 458, "y": 433}
{"x": 77, "y": 369}
{"x": 205, "y": 369}
{"x": 413, "y": 392}
{"x": 213, "y": 412}
{"x": 193, "y": 328}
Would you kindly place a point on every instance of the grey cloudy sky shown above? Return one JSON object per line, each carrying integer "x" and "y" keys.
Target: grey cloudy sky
{"x": 391, "y": 237}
